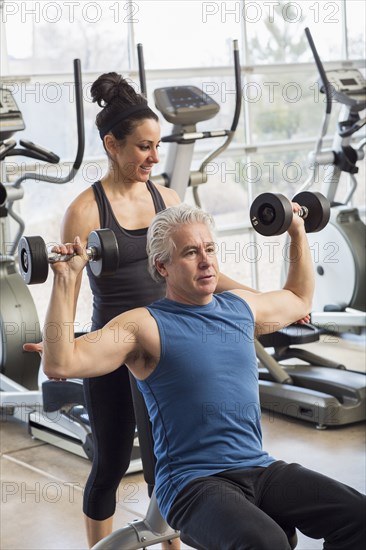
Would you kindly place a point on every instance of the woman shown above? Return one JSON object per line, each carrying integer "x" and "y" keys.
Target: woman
{"x": 125, "y": 201}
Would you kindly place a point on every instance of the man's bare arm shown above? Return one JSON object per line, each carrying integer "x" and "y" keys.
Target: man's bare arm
{"x": 94, "y": 354}
{"x": 276, "y": 309}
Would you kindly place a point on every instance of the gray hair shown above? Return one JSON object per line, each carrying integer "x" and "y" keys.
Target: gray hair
{"x": 159, "y": 236}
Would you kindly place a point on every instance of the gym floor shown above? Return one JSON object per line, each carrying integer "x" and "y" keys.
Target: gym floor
{"x": 41, "y": 495}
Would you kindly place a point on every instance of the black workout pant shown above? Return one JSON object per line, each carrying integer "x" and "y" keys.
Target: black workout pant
{"x": 111, "y": 414}
{"x": 244, "y": 509}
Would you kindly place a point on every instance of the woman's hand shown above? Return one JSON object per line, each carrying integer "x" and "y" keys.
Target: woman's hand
{"x": 304, "y": 321}
{"x": 34, "y": 347}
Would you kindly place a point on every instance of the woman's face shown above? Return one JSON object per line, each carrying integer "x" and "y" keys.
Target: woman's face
{"x": 136, "y": 155}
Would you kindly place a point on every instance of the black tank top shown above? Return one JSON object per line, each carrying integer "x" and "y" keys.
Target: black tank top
{"x": 131, "y": 286}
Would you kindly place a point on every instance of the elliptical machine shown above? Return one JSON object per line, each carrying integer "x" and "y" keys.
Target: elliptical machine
{"x": 18, "y": 316}
{"x": 319, "y": 390}
{"x": 24, "y": 393}
{"x": 340, "y": 295}
{"x": 55, "y": 413}
{"x": 19, "y": 384}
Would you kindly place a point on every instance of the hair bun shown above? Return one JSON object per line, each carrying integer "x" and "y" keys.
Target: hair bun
{"x": 112, "y": 87}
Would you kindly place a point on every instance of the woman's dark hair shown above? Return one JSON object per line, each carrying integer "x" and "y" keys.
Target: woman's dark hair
{"x": 115, "y": 95}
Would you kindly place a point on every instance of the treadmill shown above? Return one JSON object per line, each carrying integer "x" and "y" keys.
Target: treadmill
{"x": 317, "y": 390}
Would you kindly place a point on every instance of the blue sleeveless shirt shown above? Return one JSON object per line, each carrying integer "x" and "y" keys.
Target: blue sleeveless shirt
{"x": 203, "y": 397}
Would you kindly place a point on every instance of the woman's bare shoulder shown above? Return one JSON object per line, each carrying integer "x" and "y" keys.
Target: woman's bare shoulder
{"x": 171, "y": 197}
{"x": 81, "y": 216}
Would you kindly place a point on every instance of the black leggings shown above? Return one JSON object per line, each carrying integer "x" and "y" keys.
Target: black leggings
{"x": 110, "y": 409}
{"x": 252, "y": 509}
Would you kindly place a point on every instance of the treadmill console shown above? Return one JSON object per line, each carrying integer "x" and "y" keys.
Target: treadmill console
{"x": 11, "y": 119}
{"x": 348, "y": 86}
{"x": 185, "y": 105}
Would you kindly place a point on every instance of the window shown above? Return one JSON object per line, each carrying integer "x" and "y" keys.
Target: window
{"x": 54, "y": 33}
{"x": 356, "y": 16}
{"x": 275, "y": 30}
{"x": 185, "y": 42}
{"x": 185, "y": 34}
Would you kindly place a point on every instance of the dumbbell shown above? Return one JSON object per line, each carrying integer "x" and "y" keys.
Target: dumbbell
{"x": 271, "y": 213}
{"x": 102, "y": 253}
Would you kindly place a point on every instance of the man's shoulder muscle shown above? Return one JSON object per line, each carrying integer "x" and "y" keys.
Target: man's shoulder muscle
{"x": 141, "y": 328}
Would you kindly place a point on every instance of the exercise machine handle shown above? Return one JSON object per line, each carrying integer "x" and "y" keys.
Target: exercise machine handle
{"x": 323, "y": 76}
{"x": 5, "y": 147}
{"x": 8, "y": 149}
{"x": 81, "y": 138}
{"x": 142, "y": 74}
{"x": 34, "y": 152}
{"x": 189, "y": 137}
{"x": 238, "y": 96}
{"x": 326, "y": 87}
{"x": 234, "y": 124}
{"x": 79, "y": 114}
{"x": 348, "y": 127}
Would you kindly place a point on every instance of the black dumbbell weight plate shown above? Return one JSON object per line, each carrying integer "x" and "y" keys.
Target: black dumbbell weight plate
{"x": 33, "y": 260}
{"x": 271, "y": 214}
{"x": 319, "y": 210}
{"x": 105, "y": 242}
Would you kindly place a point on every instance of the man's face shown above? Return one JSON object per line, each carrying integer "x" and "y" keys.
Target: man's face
{"x": 192, "y": 273}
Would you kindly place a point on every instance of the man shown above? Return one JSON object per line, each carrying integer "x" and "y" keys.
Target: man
{"x": 193, "y": 356}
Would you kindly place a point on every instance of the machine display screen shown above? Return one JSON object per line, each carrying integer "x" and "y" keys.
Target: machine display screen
{"x": 184, "y": 97}
{"x": 181, "y": 93}
{"x": 348, "y": 81}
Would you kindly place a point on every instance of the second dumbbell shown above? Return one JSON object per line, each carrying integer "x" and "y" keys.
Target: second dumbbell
{"x": 34, "y": 258}
{"x": 271, "y": 213}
